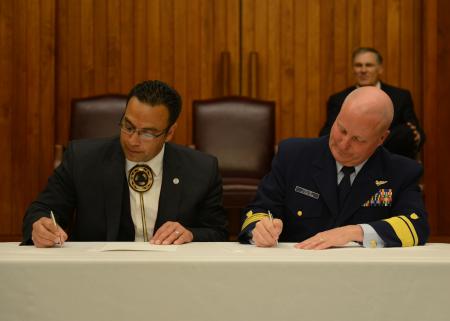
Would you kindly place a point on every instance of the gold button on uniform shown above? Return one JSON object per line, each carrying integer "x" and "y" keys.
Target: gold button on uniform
{"x": 414, "y": 216}
{"x": 373, "y": 243}
{"x": 299, "y": 213}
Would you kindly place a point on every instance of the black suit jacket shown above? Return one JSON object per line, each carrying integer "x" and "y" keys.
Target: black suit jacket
{"x": 401, "y": 138}
{"x": 91, "y": 181}
{"x": 301, "y": 190}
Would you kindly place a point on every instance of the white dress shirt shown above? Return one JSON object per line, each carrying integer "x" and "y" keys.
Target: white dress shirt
{"x": 151, "y": 197}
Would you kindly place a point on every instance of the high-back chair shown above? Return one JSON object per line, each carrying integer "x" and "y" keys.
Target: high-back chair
{"x": 240, "y": 132}
{"x": 94, "y": 117}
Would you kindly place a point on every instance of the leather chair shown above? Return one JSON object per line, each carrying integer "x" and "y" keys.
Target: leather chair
{"x": 240, "y": 132}
{"x": 94, "y": 117}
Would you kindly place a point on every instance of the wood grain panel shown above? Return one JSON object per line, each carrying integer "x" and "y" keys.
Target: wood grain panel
{"x": 20, "y": 149}
{"x": 353, "y": 30}
{"x": 418, "y": 57}
{"x": 326, "y": 60}
{"x": 287, "y": 74}
{"x": 380, "y": 26}
{"x": 273, "y": 55}
{"x": 233, "y": 44}
{"x": 62, "y": 73}
{"x": 175, "y": 41}
{"x": 300, "y": 54}
{"x": 406, "y": 66}
{"x": 322, "y": 35}
{"x": 143, "y": 24}
{"x": 443, "y": 116}
{"x": 312, "y": 113}
{"x": 392, "y": 56}
{"x": 248, "y": 37}
{"x": 193, "y": 45}
{"x": 367, "y": 23}
{"x": 430, "y": 120}
{"x": 341, "y": 59}
{"x": 7, "y": 97}
{"x": 87, "y": 47}
{"x": 180, "y": 65}
{"x": 166, "y": 41}
{"x": 27, "y": 35}
{"x": 126, "y": 46}
{"x": 46, "y": 108}
{"x": 207, "y": 53}
{"x": 113, "y": 70}
{"x": 258, "y": 79}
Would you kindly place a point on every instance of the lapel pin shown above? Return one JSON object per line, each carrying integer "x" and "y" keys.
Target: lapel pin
{"x": 379, "y": 183}
{"x": 176, "y": 180}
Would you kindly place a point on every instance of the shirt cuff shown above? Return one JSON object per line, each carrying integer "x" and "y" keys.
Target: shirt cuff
{"x": 371, "y": 238}
{"x": 250, "y": 237}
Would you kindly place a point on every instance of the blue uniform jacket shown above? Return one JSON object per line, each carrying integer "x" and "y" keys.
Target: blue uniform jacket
{"x": 301, "y": 190}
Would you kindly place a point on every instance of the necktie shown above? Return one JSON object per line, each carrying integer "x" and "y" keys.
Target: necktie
{"x": 345, "y": 185}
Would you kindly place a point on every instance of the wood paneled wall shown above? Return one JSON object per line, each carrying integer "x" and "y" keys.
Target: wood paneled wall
{"x": 436, "y": 87}
{"x": 27, "y": 59}
{"x": 305, "y": 48}
{"x": 107, "y": 46}
{"x": 54, "y": 51}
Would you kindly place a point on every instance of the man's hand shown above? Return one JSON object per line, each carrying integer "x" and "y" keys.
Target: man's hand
{"x": 46, "y": 234}
{"x": 415, "y": 132}
{"x": 172, "y": 233}
{"x": 266, "y": 232}
{"x": 338, "y": 236}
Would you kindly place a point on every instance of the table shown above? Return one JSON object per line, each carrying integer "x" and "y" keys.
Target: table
{"x": 224, "y": 281}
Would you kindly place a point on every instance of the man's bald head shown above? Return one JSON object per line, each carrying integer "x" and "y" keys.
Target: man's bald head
{"x": 370, "y": 102}
{"x": 361, "y": 126}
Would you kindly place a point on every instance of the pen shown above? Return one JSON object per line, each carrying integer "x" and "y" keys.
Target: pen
{"x": 271, "y": 219}
{"x": 56, "y": 225}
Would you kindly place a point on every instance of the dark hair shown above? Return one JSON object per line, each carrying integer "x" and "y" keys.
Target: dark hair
{"x": 362, "y": 50}
{"x": 155, "y": 92}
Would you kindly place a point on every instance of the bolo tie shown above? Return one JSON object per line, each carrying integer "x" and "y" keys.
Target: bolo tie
{"x": 140, "y": 179}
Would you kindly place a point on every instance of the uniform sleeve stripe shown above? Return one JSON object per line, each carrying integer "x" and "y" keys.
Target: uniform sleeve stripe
{"x": 411, "y": 228}
{"x": 253, "y": 218}
{"x": 404, "y": 230}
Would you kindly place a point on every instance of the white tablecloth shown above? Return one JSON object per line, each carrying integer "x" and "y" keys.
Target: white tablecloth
{"x": 224, "y": 281}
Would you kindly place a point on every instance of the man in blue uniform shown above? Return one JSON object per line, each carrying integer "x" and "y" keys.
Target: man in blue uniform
{"x": 328, "y": 191}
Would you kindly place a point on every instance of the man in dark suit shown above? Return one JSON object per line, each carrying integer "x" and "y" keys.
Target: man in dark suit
{"x": 406, "y": 136}
{"x": 127, "y": 188}
{"x": 328, "y": 191}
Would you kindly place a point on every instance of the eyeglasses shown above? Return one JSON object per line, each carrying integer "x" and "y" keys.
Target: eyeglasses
{"x": 145, "y": 134}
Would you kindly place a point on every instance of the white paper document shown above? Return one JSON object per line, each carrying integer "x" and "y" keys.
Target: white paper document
{"x": 136, "y": 246}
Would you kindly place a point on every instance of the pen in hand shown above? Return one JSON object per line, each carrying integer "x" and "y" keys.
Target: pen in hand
{"x": 56, "y": 225}
{"x": 271, "y": 220}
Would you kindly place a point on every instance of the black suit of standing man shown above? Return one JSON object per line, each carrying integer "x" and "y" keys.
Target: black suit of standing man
{"x": 90, "y": 193}
{"x": 406, "y": 136}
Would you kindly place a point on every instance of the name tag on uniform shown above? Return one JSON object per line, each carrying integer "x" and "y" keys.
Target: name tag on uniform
{"x": 307, "y": 192}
